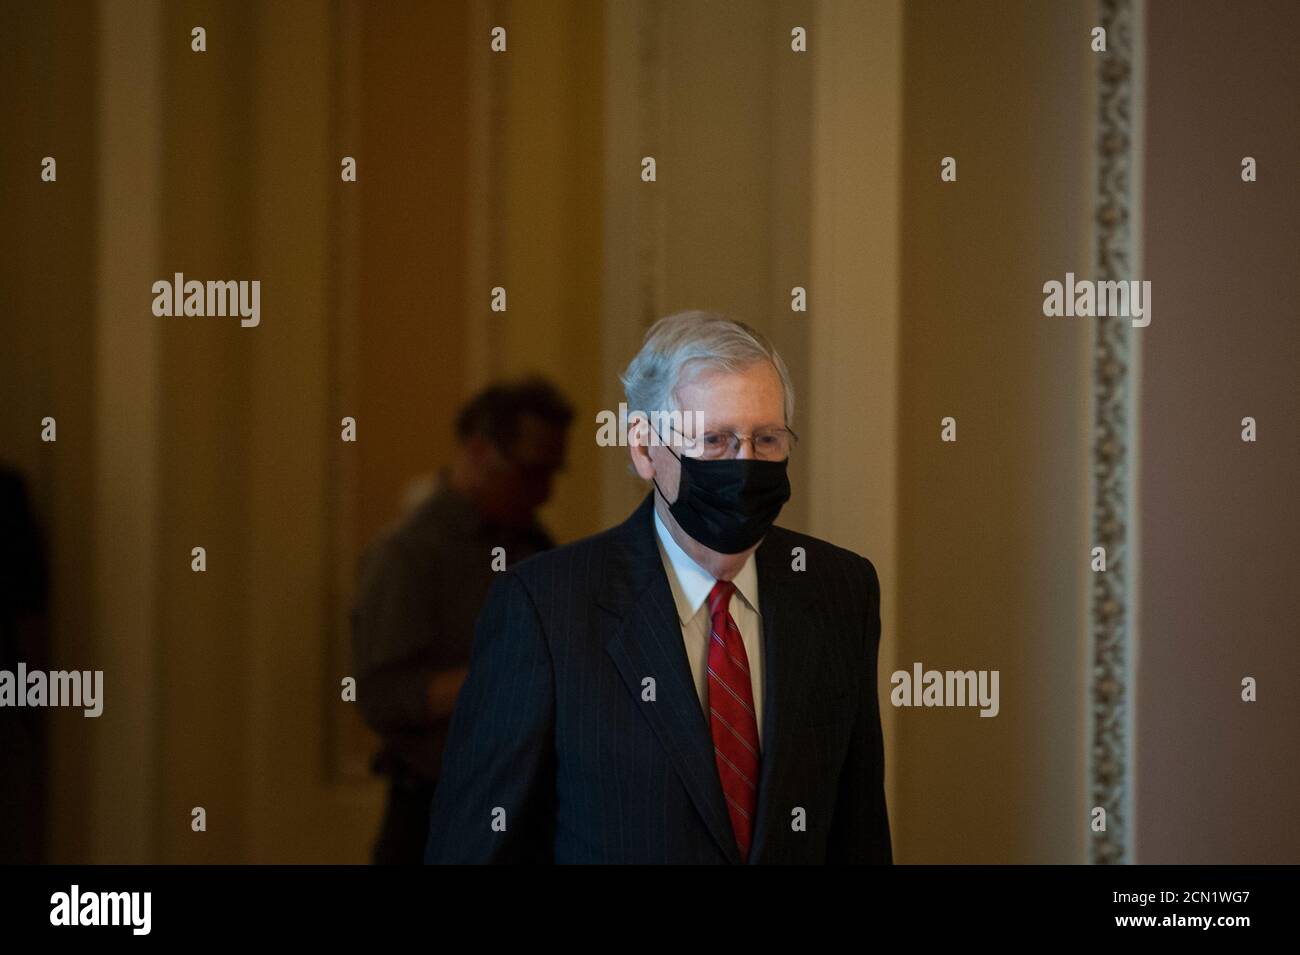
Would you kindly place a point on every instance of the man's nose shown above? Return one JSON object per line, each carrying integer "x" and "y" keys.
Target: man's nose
{"x": 746, "y": 449}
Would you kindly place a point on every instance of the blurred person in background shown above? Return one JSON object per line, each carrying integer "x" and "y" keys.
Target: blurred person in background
{"x": 422, "y": 584}
{"x": 23, "y": 639}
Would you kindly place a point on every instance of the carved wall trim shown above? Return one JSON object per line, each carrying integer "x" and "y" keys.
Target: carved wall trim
{"x": 1111, "y": 608}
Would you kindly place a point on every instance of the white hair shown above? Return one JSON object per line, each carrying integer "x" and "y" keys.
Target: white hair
{"x": 695, "y": 338}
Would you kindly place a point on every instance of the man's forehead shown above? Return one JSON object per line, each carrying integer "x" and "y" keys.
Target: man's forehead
{"x": 719, "y": 398}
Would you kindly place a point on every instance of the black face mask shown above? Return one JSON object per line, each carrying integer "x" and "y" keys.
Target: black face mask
{"x": 729, "y": 504}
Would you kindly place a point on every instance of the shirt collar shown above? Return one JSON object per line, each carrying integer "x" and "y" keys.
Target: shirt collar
{"x": 691, "y": 583}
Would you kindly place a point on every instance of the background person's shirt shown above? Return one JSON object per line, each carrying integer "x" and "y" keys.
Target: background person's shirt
{"x": 691, "y": 584}
{"x": 421, "y": 587}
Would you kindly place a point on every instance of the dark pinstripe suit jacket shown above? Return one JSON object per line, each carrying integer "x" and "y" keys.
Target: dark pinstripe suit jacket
{"x": 554, "y": 754}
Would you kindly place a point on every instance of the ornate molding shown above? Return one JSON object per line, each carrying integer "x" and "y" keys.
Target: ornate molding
{"x": 1110, "y": 610}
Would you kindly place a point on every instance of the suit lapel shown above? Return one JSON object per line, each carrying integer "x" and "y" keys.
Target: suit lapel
{"x": 646, "y": 641}
{"x": 788, "y": 637}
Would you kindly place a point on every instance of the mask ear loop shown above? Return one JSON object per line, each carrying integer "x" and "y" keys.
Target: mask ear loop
{"x": 674, "y": 454}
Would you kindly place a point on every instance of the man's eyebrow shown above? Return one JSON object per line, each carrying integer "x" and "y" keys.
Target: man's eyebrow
{"x": 766, "y": 426}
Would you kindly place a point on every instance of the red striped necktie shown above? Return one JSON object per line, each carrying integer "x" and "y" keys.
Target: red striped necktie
{"x": 731, "y": 716}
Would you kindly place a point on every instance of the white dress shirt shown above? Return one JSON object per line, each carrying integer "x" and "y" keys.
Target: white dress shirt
{"x": 691, "y": 584}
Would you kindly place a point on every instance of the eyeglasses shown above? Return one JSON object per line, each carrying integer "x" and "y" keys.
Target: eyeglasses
{"x": 769, "y": 444}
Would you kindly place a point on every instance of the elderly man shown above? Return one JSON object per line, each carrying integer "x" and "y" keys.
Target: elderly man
{"x": 693, "y": 685}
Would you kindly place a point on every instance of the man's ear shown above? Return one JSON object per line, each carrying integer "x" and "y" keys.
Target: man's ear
{"x": 638, "y": 446}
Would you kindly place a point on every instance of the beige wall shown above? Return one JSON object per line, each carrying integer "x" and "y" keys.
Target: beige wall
{"x": 992, "y": 529}
{"x": 405, "y": 334}
{"x": 549, "y": 159}
{"x": 1217, "y": 778}
{"x": 242, "y": 662}
{"x": 48, "y": 62}
{"x": 126, "y": 757}
{"x": 851, "y": 389}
